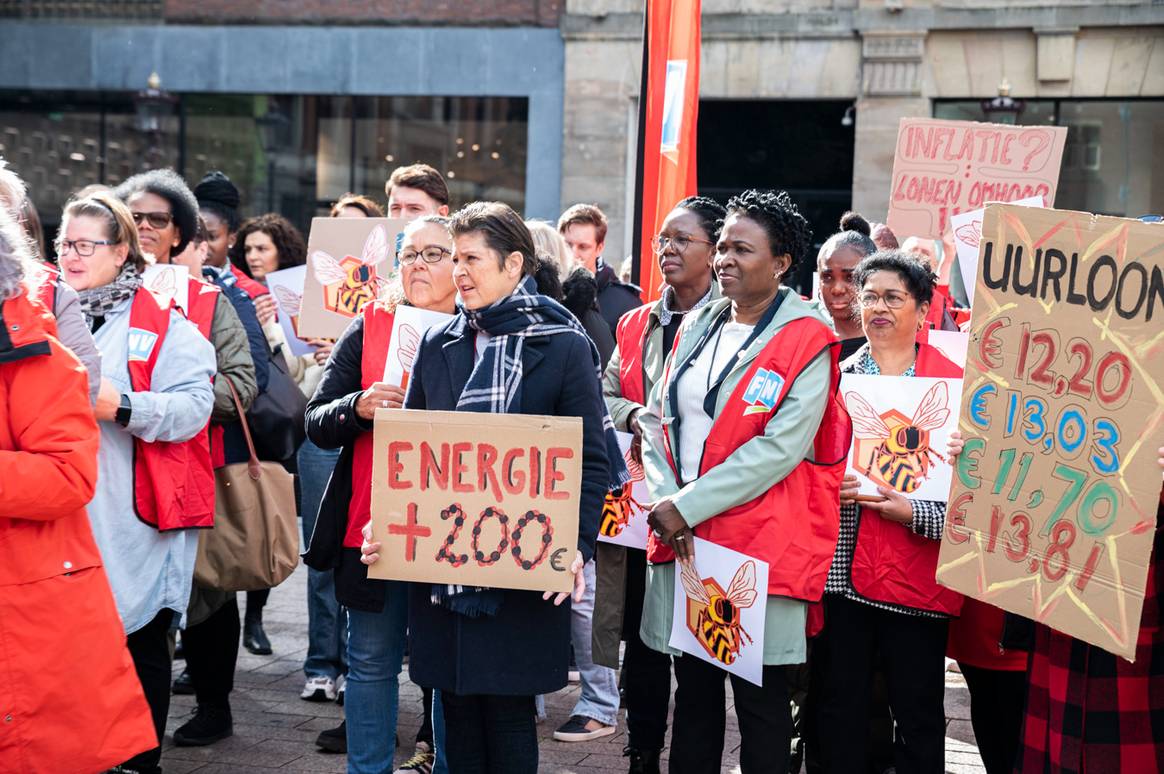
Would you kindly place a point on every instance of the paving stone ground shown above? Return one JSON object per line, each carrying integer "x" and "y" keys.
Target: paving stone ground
{"x": 275, "y": 730}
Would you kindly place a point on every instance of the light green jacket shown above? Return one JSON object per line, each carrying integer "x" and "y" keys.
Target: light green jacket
{"x": 744, "y": 475}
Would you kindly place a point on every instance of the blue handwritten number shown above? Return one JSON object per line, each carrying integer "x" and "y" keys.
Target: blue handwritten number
{"x": 1068, "y": 416}
{"x": 1107, "y": 444}
{"x": 978, "y": 405}
{"x": 1038, "y": 427}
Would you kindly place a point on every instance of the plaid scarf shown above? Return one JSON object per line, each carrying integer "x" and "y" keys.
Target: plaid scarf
{"x": 494, "y": 387}
{"x": 96, "y": 302}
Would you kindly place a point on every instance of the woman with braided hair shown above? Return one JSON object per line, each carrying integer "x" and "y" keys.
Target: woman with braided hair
{"x": 745, "y": 447}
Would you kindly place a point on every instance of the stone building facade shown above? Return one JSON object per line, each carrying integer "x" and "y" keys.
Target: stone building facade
{"x": 1098, "y": 65}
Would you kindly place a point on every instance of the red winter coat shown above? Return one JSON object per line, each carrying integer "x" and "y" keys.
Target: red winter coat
{"x": 70, "y": 700}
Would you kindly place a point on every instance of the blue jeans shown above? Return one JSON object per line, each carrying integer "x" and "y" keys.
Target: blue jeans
{"x": 599, "y": 697}
{"x": 326, "y": 627}
{"x": 375, "y": 657}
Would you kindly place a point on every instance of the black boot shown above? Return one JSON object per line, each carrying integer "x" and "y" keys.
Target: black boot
{"x": 183, "y": 686}
{"x": 642, "y": 761}
{"x": 333, "y": 740}
{"x": 254, "y": 638}
{"x": 208, "y": 725}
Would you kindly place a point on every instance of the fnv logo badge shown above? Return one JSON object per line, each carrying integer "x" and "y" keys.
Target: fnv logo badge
{"x": 141, "y": 343}
{"x": 762, "y": 392}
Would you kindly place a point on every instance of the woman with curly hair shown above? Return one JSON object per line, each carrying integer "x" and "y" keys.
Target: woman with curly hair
{"x": 747, "y": 451}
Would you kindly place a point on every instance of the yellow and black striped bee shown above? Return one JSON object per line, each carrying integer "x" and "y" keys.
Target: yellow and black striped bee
{"x": 351, "y": 283}
{"x": 902, "y": 457}
{"x": 620, "y": 504}
{"x": 713, "y": 615}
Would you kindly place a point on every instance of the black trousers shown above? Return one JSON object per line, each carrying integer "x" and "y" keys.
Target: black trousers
{"x": 424, "y": 733}
{"x": 646, "y": 672}
{"x": 150, "y": 649}
{"x": 697, "y": 732}
{"x": 256, "y": 601}
{"x": 996, "y": 713}
{"x": 912, "y": 650}
{"x": 211, "y": 656}
{"x": 490, "y": 734}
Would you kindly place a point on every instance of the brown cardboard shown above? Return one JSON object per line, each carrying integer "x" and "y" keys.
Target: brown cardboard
{"x": 1086, "y": 574}
{"x": 411, "y": 513}
{"x": 349, "y": 262}
{"x": 944, "y": 167}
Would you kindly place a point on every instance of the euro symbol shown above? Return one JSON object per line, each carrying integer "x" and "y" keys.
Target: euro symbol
{"x": 989, "y": 347}
{"x": 554, "y": 560}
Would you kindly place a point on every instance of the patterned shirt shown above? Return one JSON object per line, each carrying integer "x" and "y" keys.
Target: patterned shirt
{"x": 929, "y": 517}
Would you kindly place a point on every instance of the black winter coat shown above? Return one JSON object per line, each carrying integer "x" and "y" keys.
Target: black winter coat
{"x": 525, "y": 648}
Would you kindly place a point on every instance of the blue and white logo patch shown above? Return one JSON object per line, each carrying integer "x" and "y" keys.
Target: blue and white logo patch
{"x": 762, "y": 391}
{"x": 141, "y": 343}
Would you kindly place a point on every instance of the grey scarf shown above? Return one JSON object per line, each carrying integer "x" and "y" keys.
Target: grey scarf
{"x": 96, "y": 302}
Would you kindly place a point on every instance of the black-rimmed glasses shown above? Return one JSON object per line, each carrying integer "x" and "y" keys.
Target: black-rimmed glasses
{"x": 83, "y": 247}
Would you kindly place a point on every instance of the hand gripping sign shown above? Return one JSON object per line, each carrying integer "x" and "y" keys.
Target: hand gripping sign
{"x": 1053, "y": 505}
{"x": 476, "y": 499}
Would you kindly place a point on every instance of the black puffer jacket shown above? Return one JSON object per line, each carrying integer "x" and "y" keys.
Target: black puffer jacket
{"x": 580, "y": 296}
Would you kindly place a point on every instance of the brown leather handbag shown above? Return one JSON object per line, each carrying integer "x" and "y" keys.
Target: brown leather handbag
{"x": 255, "y": 540}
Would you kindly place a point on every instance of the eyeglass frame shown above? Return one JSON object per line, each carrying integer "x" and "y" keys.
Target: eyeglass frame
{"x": 138, "y": 217}
{"x": 63, "y": 246}
{"x": 659, "y": 243}
{"x": 420, "y": 254}
{"x": 861, "y": 300}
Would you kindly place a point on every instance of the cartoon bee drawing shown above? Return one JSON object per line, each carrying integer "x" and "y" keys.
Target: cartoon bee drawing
{"x": 893, "y": 449}
{"x": 290, "y": 304}
{"x": 713, "y": 615}
{"x": 971, "y": 233}
{"x": 350, "y": 283}
{"x": 620, "y": 504}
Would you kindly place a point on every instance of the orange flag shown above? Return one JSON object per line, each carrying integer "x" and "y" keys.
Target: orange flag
{"x": 669, "y": 108}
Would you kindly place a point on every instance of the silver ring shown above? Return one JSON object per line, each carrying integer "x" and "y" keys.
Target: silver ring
{"x": 680, "y": 537}
{"x": 384, "y": 403}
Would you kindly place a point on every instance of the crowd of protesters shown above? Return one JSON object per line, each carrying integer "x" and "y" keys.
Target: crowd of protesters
{"x": 118, "y": 410}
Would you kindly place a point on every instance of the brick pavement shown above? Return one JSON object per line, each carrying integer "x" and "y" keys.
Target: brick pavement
{"x": 275, "y": 730}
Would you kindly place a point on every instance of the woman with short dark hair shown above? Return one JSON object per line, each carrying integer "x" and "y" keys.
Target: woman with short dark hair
{"x": 164, "y": 210}
{"x": 508, "y": 350}
{"x": 881, "y": 596}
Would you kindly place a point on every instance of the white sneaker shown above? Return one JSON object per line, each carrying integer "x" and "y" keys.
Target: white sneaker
{"x": 318, "y": 688}
{"x": 341, "y": 687}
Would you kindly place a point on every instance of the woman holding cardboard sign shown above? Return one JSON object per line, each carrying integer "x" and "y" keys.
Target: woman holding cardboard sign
{"x": 508, "y": 351}
{"x": 881, "y": 594}
{"x": 751, "y": 456}
{"x": 340, "y": 416}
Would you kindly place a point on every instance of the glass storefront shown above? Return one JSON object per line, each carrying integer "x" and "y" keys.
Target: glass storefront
{"x": 1113, "y": 162}
{"x": 291, "y": 154}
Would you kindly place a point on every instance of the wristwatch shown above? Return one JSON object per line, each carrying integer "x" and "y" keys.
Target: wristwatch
{"x": 124, "y": 411}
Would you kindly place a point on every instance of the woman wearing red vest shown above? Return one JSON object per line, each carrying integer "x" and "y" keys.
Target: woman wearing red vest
{"x": 155, "y": 396}
{"x": 751, "y": 455}
{"x": 340, "y": 415}
{"x": 71, "y": 700}
{"x": 685, "y": 247}
{"x": 881, "y": 596}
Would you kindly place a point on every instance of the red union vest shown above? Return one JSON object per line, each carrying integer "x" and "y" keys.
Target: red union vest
{"x": 46, "y": 292}
{"x": 173, "y": 484}
{"x": 631, "y": 336}
{"x": 202, "y": 298}
{"x": 794, "y": 525}
{"x": 891, "y": 563}
{"x": 377, "y": 336}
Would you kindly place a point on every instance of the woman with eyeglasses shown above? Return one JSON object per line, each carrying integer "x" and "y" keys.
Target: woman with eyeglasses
{"x": 881, "y": 596}
{"x": 745, "y": 448}
{"x": 684, "y": 248}
{"x": 155, "y": 396}
{"x": 339, "y": 416}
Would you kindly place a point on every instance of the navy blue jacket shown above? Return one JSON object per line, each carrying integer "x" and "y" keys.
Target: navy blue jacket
{"x": 525, "y": 648}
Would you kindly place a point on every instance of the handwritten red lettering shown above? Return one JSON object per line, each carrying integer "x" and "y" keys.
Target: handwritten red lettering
{"x": 431, "y": 470}
{"x": 486, "y": 478}
{"x": 513, "y": 478}
{"x": 553, "y": 475}
{"x": 395, "y": 466}
{"x": 460, "y": 469}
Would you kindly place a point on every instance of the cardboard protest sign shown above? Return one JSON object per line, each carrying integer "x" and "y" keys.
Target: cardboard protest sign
{"x": 945, "y": 167}
{"x": 900, "y": 428}
{"x": 719, "y": 610}
{"x": 1053, "y": 507}
{"x": 168, "y": 282}
{"x": 624, "y": 515}
{"x": 967, "y": 228}
{"x": 476, "y": 499}
{"x": 349, "y": 263}
{"x": 409, "y": 324}
{"x": 952, "y": 344}
{"x": 286, "y": 286}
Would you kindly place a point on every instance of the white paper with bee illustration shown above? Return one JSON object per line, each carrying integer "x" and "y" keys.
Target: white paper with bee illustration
{"x": 409, "y": 324}
{"x": 624, "y": 514}
{"x": 350, "y": 262}
{"x": 900, "y": 428}
{"x": 168, "y": 282}
{"x": 720, "y": 604}
{"x": 286, "y": 286}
